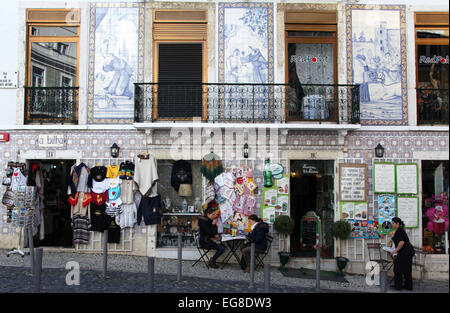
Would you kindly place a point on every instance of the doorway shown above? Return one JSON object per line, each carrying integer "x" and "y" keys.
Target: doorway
{"x": 312, "y": 189}
{"x": 56, "y": 212}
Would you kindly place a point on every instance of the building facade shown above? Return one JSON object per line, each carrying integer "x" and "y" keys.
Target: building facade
{"x": 313, "y": 85}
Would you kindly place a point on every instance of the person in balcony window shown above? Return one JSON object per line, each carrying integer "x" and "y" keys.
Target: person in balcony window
{"x": 209, "y": 238}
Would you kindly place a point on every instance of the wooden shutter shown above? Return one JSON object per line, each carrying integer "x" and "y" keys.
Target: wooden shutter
{"x": 180, "y": 74}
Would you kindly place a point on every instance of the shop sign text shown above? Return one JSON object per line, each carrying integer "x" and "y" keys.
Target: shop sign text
{"x": 52, "y": 141}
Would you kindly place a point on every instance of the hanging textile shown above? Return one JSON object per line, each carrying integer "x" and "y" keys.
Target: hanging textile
{"x": 211, "y": 166}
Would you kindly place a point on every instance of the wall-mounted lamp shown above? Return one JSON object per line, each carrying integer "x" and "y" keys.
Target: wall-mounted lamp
{"x": 379, "y": 151}
{"x": 245, "y": 150}
{"x": 115, "y": 150}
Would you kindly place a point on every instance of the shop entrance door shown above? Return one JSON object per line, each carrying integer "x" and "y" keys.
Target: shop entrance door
{"x": 56, "y": 212}
{"x": 312, "y": 188}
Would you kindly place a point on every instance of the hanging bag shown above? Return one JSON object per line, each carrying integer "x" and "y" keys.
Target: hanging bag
{"x": 8, "y": 198}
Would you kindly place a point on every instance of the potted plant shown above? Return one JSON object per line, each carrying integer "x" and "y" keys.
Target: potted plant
{"x": 284, "y": 224}
{"x": 341, "y": 230}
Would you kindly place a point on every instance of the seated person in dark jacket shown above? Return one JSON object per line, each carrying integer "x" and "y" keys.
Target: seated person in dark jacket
{"x": 209, "y": 238}
{"x": 258, "y": 236}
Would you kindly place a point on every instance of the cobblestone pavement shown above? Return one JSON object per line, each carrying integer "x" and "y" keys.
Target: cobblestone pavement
{"x": 129, "y": 274}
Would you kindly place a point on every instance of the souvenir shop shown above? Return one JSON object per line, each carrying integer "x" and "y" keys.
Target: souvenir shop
{"x": 66, "y": 200}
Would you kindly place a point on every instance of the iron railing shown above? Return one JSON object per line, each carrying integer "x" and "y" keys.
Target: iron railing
{"x": 251, "y": 103}
{"x": 49, "y": 105}
{"x": 432, "y": 106}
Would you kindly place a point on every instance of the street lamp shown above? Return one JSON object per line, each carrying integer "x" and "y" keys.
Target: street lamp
{"x": 379, "y": 151}
{"x": 115, "y": 150}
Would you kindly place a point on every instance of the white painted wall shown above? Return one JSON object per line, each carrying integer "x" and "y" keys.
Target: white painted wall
{"x": 8, "y": 59}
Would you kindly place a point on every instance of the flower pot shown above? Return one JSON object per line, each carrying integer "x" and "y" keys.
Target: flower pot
{"x": 341, "y": 263}
{"x": 284, "y": 259}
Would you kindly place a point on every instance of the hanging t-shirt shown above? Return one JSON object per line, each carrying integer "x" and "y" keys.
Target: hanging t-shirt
{"x": 113, "y": 230}
{"x": 127, "y": 192}
{"x": 98, "y": 217}
{"x": 99, "y": 198}
{"x": 114, "y": 193}
{"x": 127, "y": 218}
{"x": 101, "y": 186}
{"x": 126, "y": 170}
{"x": 146, "y": 176}
{"x": 17, "y": 179}
{"x": 113, "y": 171}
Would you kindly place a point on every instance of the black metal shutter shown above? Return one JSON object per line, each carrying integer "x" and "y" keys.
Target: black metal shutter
{"x": 180, "y": 76}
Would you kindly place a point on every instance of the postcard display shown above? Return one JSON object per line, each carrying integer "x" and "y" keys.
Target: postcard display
{"x": 396, "y": 186}
{"x": 353, "y": 204}
{"x": 275, "y": 199}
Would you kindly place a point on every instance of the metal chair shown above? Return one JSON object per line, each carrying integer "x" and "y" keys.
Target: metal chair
{"x": 375, "y": 255}
{"x": 419, "y": 260}
{"x": 203, "y": 252}
{"x": 259, "y": 258}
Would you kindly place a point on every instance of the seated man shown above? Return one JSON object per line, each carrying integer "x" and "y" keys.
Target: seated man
{"x": 209, "y": 238}
{"x": 258, "y": 236}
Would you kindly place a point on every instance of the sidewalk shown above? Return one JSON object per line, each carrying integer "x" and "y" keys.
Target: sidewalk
{"x": 129, "y": 274}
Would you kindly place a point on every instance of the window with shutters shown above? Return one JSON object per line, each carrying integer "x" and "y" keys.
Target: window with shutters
{"x": 179, "y": 64}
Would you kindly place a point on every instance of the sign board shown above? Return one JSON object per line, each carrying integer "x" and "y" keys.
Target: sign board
{"x": 309, "y": 229}
{"x": 386, "y": 212}
{"x": 384, "y": 177}
{"x": 352, "y": 182}
{"x": 52, "y": 141}
{"x": 407, "y": 178}
{"x": 4, "y": 137}
{"x": 408, "y": 211}
{"x": 8, "y": 79}
{"x": 275, "y": 199}
{"x": 353, "y": 210}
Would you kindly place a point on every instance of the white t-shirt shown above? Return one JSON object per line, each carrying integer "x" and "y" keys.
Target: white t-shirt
{"x": 127, "y": 191}
{"x": 17, "y": 179}
{"x": 127, "y": 218}
{"x": 100, "y": 187}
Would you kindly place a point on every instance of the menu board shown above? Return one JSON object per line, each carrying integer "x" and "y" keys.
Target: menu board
{"x": 386, "y": 211}
{"x": 353, "y": 210}
{"x": 352, "y": 178}
{"x": 275, "y": 199}
{"x": 407, "y": 179}
{"x": 364, "y": 229}
{"x": 309, "y": 229}
{"x": 384, "y": 177}
{"x": 408, "y": 211}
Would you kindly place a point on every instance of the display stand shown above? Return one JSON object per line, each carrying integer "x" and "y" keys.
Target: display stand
{"x": 18, "y": 250}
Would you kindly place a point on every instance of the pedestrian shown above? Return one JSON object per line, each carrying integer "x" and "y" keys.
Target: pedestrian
{"x": 258, "y": 233}
{"x": 209, "y": 237}
{"x": 404, "y": 252}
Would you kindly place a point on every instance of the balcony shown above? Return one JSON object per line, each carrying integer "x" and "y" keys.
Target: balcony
{"x": 432, "y": 106}
{"x": 247, "y": 103}
{"x": 51, "y": 105}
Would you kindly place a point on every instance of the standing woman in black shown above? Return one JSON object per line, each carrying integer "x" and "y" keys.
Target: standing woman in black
{"x": 405, "y": 254}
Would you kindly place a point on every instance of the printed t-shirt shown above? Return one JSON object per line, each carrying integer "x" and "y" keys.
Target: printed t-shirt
{"x": 114, "y": 193}
{"x": 98, "y": 217}
{"x": 113, "y": 230}
{"x": 17, "y": 179}
{"x": 149, "y": 209}
{"x": 113, "y": 171}
{"x": 99, "y": 198}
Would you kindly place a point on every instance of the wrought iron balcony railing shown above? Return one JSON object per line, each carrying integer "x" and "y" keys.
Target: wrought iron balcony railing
{"x": 432, "y": 106}
{"x": 50, "y": 105}
{"x": 251, "y": 103}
